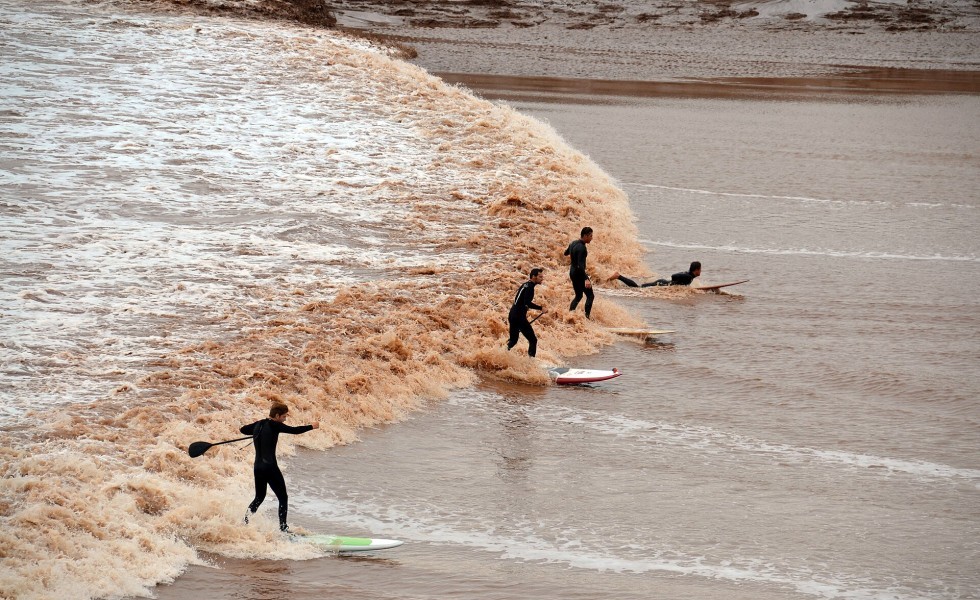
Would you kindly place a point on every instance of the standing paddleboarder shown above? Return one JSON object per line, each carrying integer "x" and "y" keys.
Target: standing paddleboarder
{"x": 265, "y": 435}
{"x": 576, "y": 271}
{"x": 523, "y": 300}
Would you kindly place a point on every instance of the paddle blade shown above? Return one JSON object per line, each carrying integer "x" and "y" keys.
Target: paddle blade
{"x": 198, "y": 448}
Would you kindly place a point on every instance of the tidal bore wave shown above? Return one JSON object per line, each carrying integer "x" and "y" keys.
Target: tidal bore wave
{"x": 230, "y": 214}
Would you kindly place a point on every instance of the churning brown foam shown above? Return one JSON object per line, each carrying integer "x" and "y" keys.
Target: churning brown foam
{"x": 103, "y": 499}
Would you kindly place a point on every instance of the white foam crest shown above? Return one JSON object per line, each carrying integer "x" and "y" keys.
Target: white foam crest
{"x": 618, "y": 556}
{"x": 808, "y": 252}
{"x": 89, "y": 310}
{"x": 205, "y": 168}
{"x": 706, "y": 439}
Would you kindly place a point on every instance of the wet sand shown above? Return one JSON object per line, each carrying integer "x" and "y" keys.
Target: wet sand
{"x": 624, "y": 54}
{"x": 867, "y": 83}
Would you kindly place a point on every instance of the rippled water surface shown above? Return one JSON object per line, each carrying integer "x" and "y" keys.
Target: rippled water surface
{"x": 812, "y": 433}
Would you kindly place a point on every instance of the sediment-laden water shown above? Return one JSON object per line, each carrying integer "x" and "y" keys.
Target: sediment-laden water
{"x": 202, "y": 216}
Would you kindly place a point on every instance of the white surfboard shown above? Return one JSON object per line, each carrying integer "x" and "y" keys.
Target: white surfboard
{"x": 341, "y": 543}
{"x": 567, "y": 376}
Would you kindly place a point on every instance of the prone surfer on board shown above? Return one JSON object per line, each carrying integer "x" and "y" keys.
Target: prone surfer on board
{"x": 265, "y": 436}
{"x": 523, "y": 300}
{"x": 576, "y": 271}
{"x": 682, "y": 278}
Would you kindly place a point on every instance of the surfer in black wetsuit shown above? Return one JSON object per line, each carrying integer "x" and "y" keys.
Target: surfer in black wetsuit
{"x": 265, "y": 436}
{"x": 523, "y": 300}
{"x": 682, "y": 278}
{"x": 576, "y": 272}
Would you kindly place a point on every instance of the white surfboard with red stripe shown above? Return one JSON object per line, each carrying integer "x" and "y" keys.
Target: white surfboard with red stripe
{"x": 567, "y": 376}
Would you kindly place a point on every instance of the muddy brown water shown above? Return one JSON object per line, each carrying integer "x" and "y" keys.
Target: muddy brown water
{"x": 812, "y": 433}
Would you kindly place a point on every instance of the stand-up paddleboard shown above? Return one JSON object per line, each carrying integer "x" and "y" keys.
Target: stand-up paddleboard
{"x": 639, "y": 331}
{"x": 566, "y": 376}
{"x": 711, "y": 288}
{"x": 340, "y": 543}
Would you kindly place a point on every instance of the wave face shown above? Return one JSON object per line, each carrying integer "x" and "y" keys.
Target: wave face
{"x": 203, "y": 217}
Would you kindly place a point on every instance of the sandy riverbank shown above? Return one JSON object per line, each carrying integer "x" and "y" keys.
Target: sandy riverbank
{"x": 613, "y": 48}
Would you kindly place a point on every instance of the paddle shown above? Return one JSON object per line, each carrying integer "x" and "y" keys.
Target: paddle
{"x": 198, "y": 448}
{"x": 535, "y": 318}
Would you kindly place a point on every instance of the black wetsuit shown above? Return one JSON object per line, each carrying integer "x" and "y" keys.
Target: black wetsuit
{"x": 682, "y": 278}
{"x": 523, "y": 300}
{"x": 578, "y": 252}
{"x": 629, "y": 282}
{"x": 265, "y": 436}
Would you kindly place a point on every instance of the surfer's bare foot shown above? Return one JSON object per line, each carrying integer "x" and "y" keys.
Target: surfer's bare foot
{"x": 614, "y": 276}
